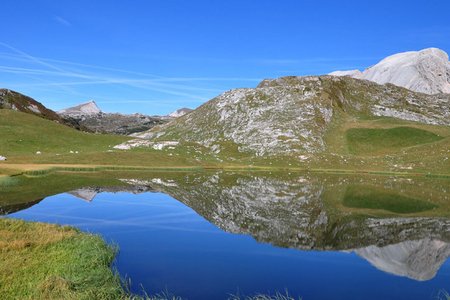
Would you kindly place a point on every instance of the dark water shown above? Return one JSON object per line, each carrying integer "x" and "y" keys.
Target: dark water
{"x": 207, "y": 236}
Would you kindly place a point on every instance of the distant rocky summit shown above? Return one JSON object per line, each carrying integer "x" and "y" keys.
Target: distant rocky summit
{"x": 180, "y": 112}
{"x": 426, "y": 71}
{"x": 86, "y": 109}
{"x": 87, "y": 116}
{"x": 90, "y": 116}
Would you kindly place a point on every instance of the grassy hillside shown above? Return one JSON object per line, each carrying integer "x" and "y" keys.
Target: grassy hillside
{"x": 25, "y": 134}
{"x": 374, "y": 140}
{"x": 22, "y": 135}
{"x": 314, "y": 123}
{"x": 16, "y": 101}
{"x": 388, "y": 144}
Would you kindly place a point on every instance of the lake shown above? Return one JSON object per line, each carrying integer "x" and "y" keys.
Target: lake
{"x": 209, "y": 235}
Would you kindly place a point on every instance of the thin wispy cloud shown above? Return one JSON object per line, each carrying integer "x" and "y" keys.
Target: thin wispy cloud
{"x": 179, "y": 86}
{"x": 88, "y": 81}
{"x": 66, "y": 74}
{"x": 62, "y": 21}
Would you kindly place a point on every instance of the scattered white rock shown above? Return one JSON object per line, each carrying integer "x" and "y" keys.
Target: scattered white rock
{"x": 34, "y": 108}
{"x": 164, "y": 182}
{"x": 38, "y": 152}
{"x": 133, "y": 144}
{"x": 161, "y": 145}
{"x": 149, "y": 182}
{"x": 145, "y": 143}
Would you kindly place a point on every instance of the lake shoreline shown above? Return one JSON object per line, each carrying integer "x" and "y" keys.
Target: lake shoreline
{"x": 7, "y": 170}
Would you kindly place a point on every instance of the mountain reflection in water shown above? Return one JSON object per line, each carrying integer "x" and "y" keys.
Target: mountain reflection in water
{"x": 309, "y": 212}
{"x": 302, "y": 214}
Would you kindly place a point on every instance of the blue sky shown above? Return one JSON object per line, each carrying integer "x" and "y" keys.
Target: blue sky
{"x": 155, "y": 56}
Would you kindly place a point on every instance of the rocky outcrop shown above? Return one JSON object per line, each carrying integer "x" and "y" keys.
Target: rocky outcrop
{"x": 426, "y": 71}
{"x": 292, "y": 114}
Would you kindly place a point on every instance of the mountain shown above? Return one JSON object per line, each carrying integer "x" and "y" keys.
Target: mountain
{"x": 426, "y": 71}
{"x": 295, "y": 119}
{"x": 89, "y": 115}
{"x": 180, "y": 112}
{"x": 85, "y": 109}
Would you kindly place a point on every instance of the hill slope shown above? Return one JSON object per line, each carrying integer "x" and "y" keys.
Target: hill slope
{"x": 26, "y": 134}
{"x": 425, "y": 71}
{"x": 292, "y": 120}
{"x": 293, "y": 114}
{"x": 18, "y": 102}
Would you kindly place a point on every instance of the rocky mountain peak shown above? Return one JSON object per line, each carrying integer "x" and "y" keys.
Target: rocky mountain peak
{"x": 85, "y": 109}
{"x": 425, "y": 71}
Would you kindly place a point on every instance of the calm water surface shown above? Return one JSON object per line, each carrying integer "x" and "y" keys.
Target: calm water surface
{"x": 212, "y": 235}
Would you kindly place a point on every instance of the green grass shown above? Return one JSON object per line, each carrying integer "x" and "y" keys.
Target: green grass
{"x": 22, "y": 135}
{"x": 374, "y": 140}
{"x": 43, "y": 261}
{"x": 25, "y": 134}
{"x": 368, "y": 197}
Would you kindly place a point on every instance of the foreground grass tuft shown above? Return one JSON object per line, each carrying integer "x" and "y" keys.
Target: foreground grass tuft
{"x": 43, "y": 261}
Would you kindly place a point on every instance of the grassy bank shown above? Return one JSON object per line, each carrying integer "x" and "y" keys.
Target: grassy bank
{"x": 43, "y": 261}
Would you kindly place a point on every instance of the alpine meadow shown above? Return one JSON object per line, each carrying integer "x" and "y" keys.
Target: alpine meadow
{"x": 196, "y": 150}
